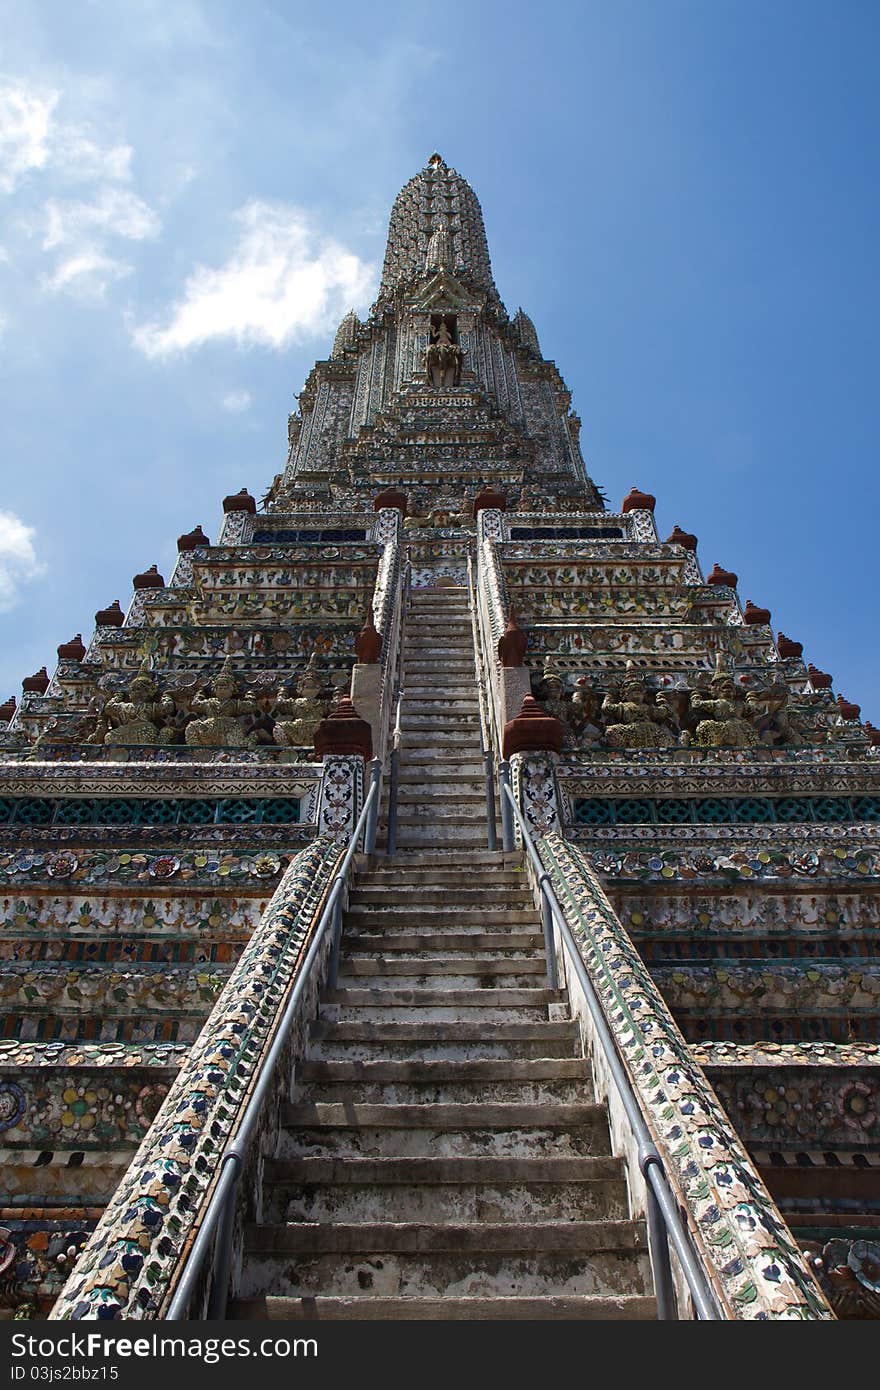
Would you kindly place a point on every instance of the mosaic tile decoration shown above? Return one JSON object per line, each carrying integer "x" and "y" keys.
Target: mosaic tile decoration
{"x": 130, "y": 1261}
{"x": 758, "y": 1270}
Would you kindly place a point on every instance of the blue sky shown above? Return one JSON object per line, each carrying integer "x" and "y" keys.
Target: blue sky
{"x": 683, "y": 196}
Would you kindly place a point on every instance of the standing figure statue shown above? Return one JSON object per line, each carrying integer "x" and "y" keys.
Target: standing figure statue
{"x": 225, "y": 719}
{"x": 723, "y": 715}
{"x": 301, "y": 710}
{"x": 633, "y": 720}
{"x": 775, "y": 721}
{"x": 141, "y": 717}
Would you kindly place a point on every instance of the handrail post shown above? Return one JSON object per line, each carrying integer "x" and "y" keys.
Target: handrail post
{"x": 549, "y": 938}
{"x": 219, "y": 1296}
{"x": 336, "y": 933}
{"x": 506, "y": 809}
{"x": 393, "y": 780}
{"x": 658, "y": 1245}
{"x": 491, "y": 832}
{"x": 373, "y": 814}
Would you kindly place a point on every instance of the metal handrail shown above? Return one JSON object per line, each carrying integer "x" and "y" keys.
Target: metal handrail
{"x": 220, "y": 1212}
{"x": 664, "y": 1219}
{"x": 487, "y": 644}
{"x": 485, "y": 737}
{"x": 397, "y": 736}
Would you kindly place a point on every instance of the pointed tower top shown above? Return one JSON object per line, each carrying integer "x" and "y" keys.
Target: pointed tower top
{"x": 437, "y": 200}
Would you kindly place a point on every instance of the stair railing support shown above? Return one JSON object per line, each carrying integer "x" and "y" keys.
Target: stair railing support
{"x": 549, "y": 938}
{"x": 393, "y": 785}
{"x": 489, "y": 774}
{"x": 658, "y": 1244}
{"x": 507, "y": 840}
{"x": 373, "y": 813}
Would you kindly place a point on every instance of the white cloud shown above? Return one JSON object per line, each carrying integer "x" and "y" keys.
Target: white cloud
{"x": 237, "y": 401}
{"x": 35, "y": 136}
{"x": 25, "y": 125}
{"x": 32, "y": 137}
{"x": 86, "y": 274}
{"x": 114, "y": 212}
{"x": 18, "y": 558}
{"x": 80, "y": 157}
{"x": 282, "y": 282}
{"x": 82, "y": 229}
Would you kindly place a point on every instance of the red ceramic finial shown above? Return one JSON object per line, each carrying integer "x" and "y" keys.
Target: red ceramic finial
{"x": 149, "y": 579}
{"x": 368, "y": 643}
{"x": 753, "y": 615}
{"x": 7, "y": 709}
{"x": 636, "y": 501}
{"x": 74, "y": 650}
{"x": 682, "y": 538}
{"x": 38, "y": 682}
{"x": 873, "y": 734}
{"x": 788, "y": 648}
{"x": 512, "y": 646}
{"x": 240, "y": 502}
{"x": 819, "y": 680}
{"x": 344, "y": 732}
{"x": 846, "y": 709}
{"x": 532, "y": 731}
{"x": 110, "y": 617}
{"x": 726, "y": 578}
{"x": 191, "y": 540}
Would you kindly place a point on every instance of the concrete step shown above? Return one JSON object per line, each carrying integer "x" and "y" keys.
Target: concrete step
{"x": 440, "y": 706}
{"x": 416, "y": 692}
{"x": 552, "y": 1080}
{"x": 458, "y": 720}
{"x": 438, "y": 641}
{"x": 420, "y": 896}
{"x": 429, "y": 1040}
{"x": 416, "y": 767}
{"x": 354, "y": 1197}
{"x": 423, "y": 1073}
{"x": 444, "y": 1092}
{"x": 455, "y": 858}
{"x": 488, "y": 1045}
{"x": 489, "y": 1013}
{"x": 427, "y": 837}
{"x": 568, "y": 1258}
{"x": 459, "y": 975}
{"x": 442, "y": 794}
{"x": 439, "y": 919}
{"x": 398, "y": 997}
{"x": 439, "y": 760}
{"x": 514, "y": 943}
{"x": 548, "y": 1141}
{"x": 426, "y": 953}
{"x": 446, "y": 735}
{"x": 424, "y": 874}
{"x": 442, "y": 817}
{"x": 443, "y": 1308}
{"x": 438, "y": 675}
{"x": 441, "y": 788}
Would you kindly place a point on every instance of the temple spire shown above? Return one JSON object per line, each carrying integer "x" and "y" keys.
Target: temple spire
{"x": 437, "y": 220}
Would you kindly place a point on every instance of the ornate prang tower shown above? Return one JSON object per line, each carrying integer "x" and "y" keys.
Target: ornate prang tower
{"x": 175, "y": 800}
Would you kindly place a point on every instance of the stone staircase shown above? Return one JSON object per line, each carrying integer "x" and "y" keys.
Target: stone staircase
{"x": 443, "y": 1155}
